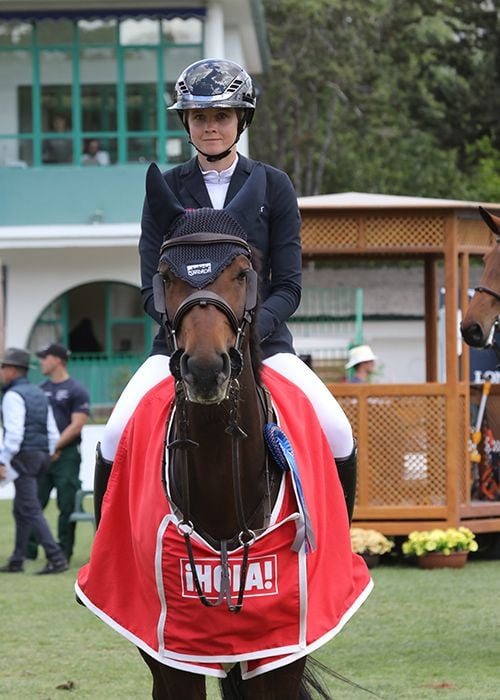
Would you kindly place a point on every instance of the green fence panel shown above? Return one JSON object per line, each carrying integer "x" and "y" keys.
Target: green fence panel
{"x": 104, "y": 377}
{"x": 327, "y": 323}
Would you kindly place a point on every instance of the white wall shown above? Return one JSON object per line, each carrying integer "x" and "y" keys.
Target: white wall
{"x": 400, "y": 349}
{"x": 36, "y": 277}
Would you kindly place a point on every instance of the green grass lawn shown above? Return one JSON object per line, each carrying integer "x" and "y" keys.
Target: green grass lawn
{"x": 421, "y": 635}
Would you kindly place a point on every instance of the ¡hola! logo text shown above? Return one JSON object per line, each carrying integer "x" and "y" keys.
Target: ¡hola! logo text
{"x": 262, "y": 576}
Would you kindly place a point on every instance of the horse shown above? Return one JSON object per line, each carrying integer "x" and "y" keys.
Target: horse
{"x": 483, "y": 313}
{"x": 231, "y": 488}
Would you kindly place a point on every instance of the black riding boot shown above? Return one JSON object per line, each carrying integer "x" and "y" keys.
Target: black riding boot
{"x": 101, "y": 477}
{"x": 347, "y": 468}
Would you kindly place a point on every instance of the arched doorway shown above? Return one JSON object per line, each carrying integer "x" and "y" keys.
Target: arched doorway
{"x": 104, "y": 326}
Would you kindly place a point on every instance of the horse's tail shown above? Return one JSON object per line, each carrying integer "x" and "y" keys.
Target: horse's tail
{"x": 231, "y": 686}
{"x": 312, "y": 684}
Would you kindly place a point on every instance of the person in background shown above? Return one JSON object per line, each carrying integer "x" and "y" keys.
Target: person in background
{"x": 215, "y": 102}
{"x": 82, "y": 337}
{"x": 361, "y": 360}
{"x": 70, "y": 403}
{"x": 58, "y": 150}
{"x": 29, "y": 438}
{"x": 93, "y": 155}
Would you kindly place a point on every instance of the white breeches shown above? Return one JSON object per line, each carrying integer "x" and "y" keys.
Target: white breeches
{"x": 156, "y": 368}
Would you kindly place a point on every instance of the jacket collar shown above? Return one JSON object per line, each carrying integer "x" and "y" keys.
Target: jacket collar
{"x": 14, "y": 382}
{"x": 193, "y": 180}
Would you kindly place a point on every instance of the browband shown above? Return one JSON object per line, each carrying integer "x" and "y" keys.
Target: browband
{"x": 204, "y": 237}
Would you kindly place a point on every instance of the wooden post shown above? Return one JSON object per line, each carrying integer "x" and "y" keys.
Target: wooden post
{"x": 431, "y": 318}
{"x": 452, "y": 437}
{"x": 2, "y": 307}
{"x": 464, "y": 302}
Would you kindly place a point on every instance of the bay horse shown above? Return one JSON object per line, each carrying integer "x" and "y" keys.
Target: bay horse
{"x": 483, "y": 312}
{"x": 214, "y": 513}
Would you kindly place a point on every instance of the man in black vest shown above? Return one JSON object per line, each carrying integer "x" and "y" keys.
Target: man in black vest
{"x": 29, "y": 438}
{"x": 70, "y": 403}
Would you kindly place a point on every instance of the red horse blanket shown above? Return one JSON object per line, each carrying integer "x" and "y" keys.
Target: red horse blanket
{"x": 139, "y": 580}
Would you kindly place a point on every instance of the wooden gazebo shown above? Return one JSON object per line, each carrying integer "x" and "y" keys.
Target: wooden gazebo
{"x": 414, "y": 459}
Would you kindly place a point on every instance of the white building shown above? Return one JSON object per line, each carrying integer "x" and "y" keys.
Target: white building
{"x": 71, "y": 72}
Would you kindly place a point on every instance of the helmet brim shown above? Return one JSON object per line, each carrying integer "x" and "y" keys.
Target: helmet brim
{"x": 210, "y": 102}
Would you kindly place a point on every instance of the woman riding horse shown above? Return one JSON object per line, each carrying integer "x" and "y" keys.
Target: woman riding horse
{"x": 215, "y": 101}
{"x": 224, "y": 538}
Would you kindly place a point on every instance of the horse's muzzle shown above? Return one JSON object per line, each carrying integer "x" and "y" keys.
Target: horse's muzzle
{"x": 474, "y": 335}
{"x": 205, "y": 381}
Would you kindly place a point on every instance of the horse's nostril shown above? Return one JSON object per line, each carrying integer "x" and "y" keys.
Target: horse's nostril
{"x": 473, "y": 335}
{"x": 225, "y": 369}
{"x": 184, "y": 364}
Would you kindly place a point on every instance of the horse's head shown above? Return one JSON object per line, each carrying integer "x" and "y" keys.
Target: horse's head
{"x": 482, "y": 315}
{"x": 206, "y": 292}
{"x": 209, "y": 289}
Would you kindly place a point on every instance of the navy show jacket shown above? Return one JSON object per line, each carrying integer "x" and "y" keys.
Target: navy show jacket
{"x": 276, "y": 235}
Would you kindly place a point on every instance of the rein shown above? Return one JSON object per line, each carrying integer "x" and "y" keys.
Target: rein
{"x": 185, "y": 527}
{"x": 182, "y": 443}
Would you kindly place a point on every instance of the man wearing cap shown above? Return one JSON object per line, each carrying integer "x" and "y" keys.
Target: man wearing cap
{"x": 29, "y": 438}
{"x": 361, "y": 360}
{"x": 70, "y": 402}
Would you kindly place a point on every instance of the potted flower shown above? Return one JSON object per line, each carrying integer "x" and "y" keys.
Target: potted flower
{"x": 370, "y": 544}
{"x": 440, "y": 548}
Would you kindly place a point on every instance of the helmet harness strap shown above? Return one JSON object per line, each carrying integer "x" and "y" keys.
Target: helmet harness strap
{"x": 219, "y": 156}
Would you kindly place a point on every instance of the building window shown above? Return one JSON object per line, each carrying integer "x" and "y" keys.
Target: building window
{"x": 93, "y": 91}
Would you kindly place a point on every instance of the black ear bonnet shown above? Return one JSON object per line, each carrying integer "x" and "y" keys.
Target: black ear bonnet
{"x": 191, "y": 248}
{"x": 199, "y": 259}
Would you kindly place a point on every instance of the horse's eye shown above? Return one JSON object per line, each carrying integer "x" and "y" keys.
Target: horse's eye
{"x": 242, "y": 274}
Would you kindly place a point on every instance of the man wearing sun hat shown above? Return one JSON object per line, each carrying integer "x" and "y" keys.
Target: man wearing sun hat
{"x": 361, "y": 360}
{"x": 29, "y": 438}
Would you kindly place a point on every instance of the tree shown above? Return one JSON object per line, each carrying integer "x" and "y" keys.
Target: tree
{"x": 382, "y": 96}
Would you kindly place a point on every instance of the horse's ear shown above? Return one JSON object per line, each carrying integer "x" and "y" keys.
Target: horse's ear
{"x": 493, "y": 222}
{"x": 164, "y": 205}
{"x": 247, "y": 205}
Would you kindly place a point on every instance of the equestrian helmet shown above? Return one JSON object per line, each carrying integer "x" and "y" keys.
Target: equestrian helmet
{"x": 212, "y": 83}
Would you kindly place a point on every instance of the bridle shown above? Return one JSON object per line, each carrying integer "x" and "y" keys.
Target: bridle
{"x": 202, "y": 298}
{"x": 488, "y": 290}
{"x": 181, "y": 443}
{"x": 496, "y": 295}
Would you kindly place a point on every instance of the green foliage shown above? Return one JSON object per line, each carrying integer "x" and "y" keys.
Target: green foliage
{"x": 382, "y": 96}
{"x": 484, "y": 166}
